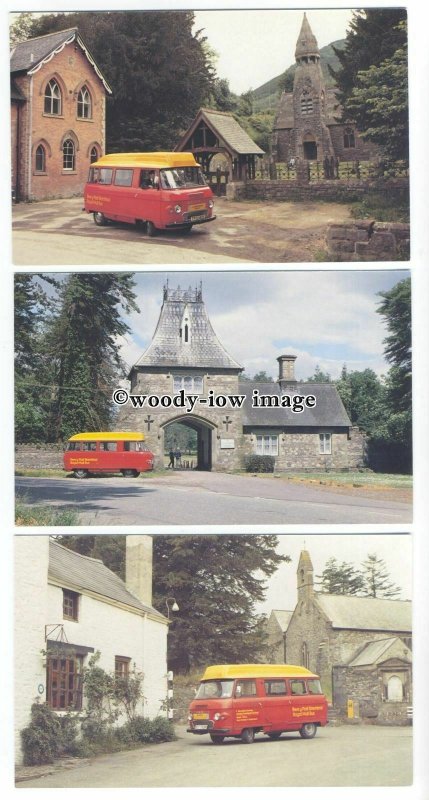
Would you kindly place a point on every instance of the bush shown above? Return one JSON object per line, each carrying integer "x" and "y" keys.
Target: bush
{"x": 41, "y": 739}
{"x": 259, "y": 463}
{"x": 143, "y": 731}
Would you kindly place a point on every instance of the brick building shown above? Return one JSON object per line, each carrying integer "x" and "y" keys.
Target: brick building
{"x": 360, "y": 647}
{"x": 185, "y": 354}
{"x": 306, "y": 125}
{"x": 58, "y": 109}
{"x": 72, "y": 606}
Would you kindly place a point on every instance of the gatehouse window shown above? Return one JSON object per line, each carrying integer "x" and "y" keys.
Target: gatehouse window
{"x": 325, "y": 444}
{"x": 349, "y": 138}
{"x": 52, "y": 103}
{"x": 69, "y": 155}
{"x": 64, "y": 683}
{"x": 190, "y": 383}
{"x": 70, "y": 605}
{"x": 267, "y": 445}
{"x": 40, "y": 159}
{"x": 84, "y": 104}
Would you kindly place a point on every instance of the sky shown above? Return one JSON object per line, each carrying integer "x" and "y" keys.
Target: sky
{"x": 254, "y": 46}
{"x": 394, "y": 549}
{"x": 325, "y": 318}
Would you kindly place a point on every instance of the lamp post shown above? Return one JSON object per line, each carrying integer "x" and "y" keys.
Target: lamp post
{"x": 172, "y": 606}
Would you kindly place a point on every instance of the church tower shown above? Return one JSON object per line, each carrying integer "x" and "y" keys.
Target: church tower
{"x": 305, "y": 580}
{"x": 311, "y": 134}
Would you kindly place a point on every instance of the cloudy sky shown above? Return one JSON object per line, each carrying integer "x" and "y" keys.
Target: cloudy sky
{"x": 253, "y": 46}
{"x": 325, "y": 318}
{"x": 394, "y": 549}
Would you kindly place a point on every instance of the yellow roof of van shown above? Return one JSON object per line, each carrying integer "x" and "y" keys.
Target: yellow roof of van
{"x": 108, "y": 436}
{"x": 221, "y": 671}
{"x": 149, "y": 160}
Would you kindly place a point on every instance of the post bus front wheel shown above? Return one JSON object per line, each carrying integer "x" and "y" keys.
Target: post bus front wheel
{"x": 80, "y": 473}
{"x": 248, "y": 735}
{"x": 130, "y": 473}
{"x": 308, "y": 731}
{"x": 99, "y": 219}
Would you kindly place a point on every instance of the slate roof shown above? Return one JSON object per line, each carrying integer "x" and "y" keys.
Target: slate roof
{"x": 225, "y": 128}
{"x": 282, "y": 617}
{"x": 27, "y": 56}
{"x": 366, "y": 613}
{"x": 329, "y": 410}
{"x": 373, "y": 652}
{"x": 72, "y": 569}
{"x": 168, "y": 349}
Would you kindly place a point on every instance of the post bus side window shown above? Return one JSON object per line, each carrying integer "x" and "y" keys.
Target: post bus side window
{"x": 131, "y": 446}
{"x": 110, "y": 447}
{"x": 123, "y": 177}
{"x": 298, "y": 687}
{"x": 314, "y": 687}
{"x": 275, "y": 687}
{"x": 245, "y": 688}
{"x": 89, "y": 445}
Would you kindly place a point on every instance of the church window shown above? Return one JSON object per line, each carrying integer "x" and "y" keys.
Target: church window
{"x": 70, "y": 605}
{"x": 52, "y": 103}
{"x": 349, "y": 138}
{"x": 93, "y": 156}
{"x": 190, "y": 383}
{"x": 40, "y": 160}
{"x": 306, "y": 104}
{"x": 325, "y": 444}
{"x": 305, "y": 656}
{"x": 69, "y": 155}
{"x": 186, "y": 333}
{"x": 84, "y": 104}
{"x": 267, "y": 445}
{"x": 64, "y": 682}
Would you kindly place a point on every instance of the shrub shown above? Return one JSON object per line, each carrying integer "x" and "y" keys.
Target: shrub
{"x": 143, "y": 731}
{"x": 256, "y": 463}
{"x": 41, "y": 739}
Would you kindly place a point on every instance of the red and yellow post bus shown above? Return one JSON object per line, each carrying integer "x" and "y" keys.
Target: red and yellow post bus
{"x": 239, "y": 700}
{"x": 163, "y": 190}
{"x": 108, "y": 451}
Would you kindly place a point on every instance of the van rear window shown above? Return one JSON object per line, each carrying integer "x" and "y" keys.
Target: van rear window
{"x": 100, "y": 175}
{"x": 123, "y": 177}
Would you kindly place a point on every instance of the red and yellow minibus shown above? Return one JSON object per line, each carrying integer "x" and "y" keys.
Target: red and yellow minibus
{"x": 107, "y": 451}
{"x": 163, "y": 190}
{"x": 240, "y": 700}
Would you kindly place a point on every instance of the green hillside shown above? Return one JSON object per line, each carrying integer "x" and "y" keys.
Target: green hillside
{"x": 265, "y": 97}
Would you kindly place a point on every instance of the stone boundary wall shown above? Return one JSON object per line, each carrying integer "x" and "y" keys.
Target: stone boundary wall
{"x": 296, "y": 190}
{"x": 39, "y": 456}
{"x": 366, "y": 240}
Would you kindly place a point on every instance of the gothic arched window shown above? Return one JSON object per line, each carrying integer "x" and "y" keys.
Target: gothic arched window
{"x": 84, "y": 104}
{"x": 40, "y": 159}
{"x": 349, "y": 138}
{"x": 69, "y": 155}
{"x": 306, "y": 103}
{"x": 305, "y": 656}
{"x": 93, "y": 156}
{"x": 52, "y": 98}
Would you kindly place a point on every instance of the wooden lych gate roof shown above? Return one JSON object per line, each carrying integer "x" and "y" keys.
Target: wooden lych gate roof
{"x": 227, "y": 135}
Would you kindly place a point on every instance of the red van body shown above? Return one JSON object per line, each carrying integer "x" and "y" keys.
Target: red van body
{"x": 163, "y": 190}
{"x": 104, "y": 451}
{"x": 241, "y": 700}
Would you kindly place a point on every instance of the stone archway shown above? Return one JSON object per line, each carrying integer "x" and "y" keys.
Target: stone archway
{"x": 310, "y": 147}
{"x": 202, "y": 460}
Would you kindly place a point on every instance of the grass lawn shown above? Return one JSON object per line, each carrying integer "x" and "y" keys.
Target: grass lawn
{"x": 376, "y": 480}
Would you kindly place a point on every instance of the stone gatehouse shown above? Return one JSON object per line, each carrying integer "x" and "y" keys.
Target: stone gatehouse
{"x": 185, "y": 356}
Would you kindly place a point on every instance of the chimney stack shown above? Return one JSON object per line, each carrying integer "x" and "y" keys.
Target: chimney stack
{"x": 138, "y": 567}
{"x": 286, "y": 371}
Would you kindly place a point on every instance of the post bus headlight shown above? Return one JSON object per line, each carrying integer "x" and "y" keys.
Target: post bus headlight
{"x": 219, "y": 716}
{"x": 178, "y": 209}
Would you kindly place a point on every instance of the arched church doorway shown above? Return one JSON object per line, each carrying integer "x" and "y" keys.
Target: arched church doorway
{"x": 192, "y": 438}
{"x": 310, "y": 147}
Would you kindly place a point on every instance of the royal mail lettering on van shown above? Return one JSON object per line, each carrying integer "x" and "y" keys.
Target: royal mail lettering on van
{"x": 305, "y": 711}
{"x": 246, "y": 714}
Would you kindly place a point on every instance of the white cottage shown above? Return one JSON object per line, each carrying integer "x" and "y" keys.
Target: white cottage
{"x": 66, "y": 598}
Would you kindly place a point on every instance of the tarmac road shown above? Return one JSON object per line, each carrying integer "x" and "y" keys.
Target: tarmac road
{"x": 337, "y": 756}
{"x": 204, "y": 498}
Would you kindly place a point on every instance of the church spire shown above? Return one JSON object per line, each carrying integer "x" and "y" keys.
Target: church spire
{"x": 307, "y": 48}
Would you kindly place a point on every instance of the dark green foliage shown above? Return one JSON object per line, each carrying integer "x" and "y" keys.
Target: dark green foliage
{"x": 179, "y": 436}
{"x": 255, "y": 463}
{"x": 159, "y": 71}
{"x": 41, "y": 739}
{"x": 319, "y": 376}
{"x": 216, "y": 581}
{"x": 377, "y": 581}
{"x": 339, "y": 578}
{"x": 142, "y": 730}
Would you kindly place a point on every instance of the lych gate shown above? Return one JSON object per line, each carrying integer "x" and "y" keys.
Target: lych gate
{"x": 221, "y": 146}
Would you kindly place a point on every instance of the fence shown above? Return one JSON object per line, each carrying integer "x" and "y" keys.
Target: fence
{"x": 334, "y": 170}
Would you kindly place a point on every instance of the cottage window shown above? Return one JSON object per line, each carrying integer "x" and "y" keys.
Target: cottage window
{"x": 122, "y": 668}
{"x": 325, "y": 444}
{"x": 267, "y": 445}
{"x": 69, "y": 155}
{"x": 349, "y": 138}
{"x": 84, "y": 104}
{"x": 190, "y": 383}
{"x": 52, "y": 98}
{"x": 64, "y": 683}
{"x": 40, "y": 159}
{"x": 70, "y": 605}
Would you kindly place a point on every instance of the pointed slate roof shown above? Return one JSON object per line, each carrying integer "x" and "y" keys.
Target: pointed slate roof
{"x": 227, "y": 129}
{"x": 366, "y": 613}
{"x": 381, "y": 650}
{"x": 30, "y": 55}
{"x": 307, "y": 42}
{"x": 282, "y": 618}
{"x": 168, "y": 348}
{"x": 73, "y": 570}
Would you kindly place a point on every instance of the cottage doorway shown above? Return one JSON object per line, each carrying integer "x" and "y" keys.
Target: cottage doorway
{"x": 192, "y": 438}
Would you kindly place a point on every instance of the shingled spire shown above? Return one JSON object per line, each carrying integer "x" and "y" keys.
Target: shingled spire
{"x": 306, "y": 46}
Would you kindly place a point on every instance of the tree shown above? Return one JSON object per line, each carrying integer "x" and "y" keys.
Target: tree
{"x": 216, "y": 581}
{"x": 262, "y": 377}
{"x": 20, "y": 29}
{"x": 395, "y": 307}
{"x": 159, "y": 70}
{"x": 342, "y": 578}
{"x": 83, "y": 344}
{"x": 363, "y": 395}
{"x": 376, "y": 579}
{"x": 319, "y": 376}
